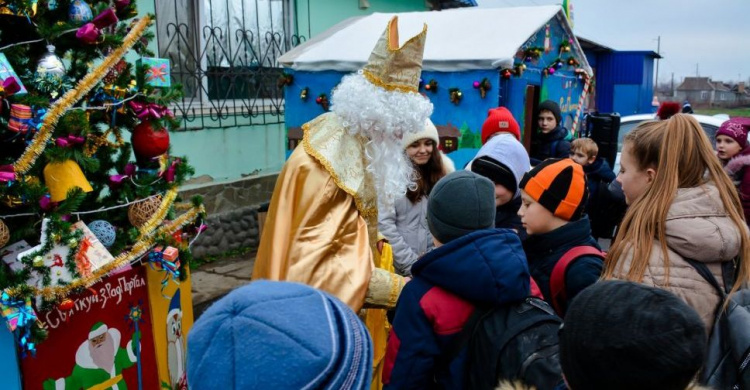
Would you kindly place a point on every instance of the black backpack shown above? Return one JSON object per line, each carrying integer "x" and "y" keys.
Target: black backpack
{"x": 517, "y": 341}
{"x": 728, "y": 357}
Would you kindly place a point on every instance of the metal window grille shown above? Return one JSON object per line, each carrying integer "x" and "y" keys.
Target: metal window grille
{"x": 225, "y": 54}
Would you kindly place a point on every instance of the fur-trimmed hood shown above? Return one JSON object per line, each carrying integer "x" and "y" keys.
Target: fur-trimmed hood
{"x": 738, "y": 162}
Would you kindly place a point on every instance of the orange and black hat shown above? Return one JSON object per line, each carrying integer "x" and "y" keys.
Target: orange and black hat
{"x": 559, "y": 185}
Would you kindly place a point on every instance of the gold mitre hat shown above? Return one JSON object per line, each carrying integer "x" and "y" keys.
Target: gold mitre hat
{"x": 394, "y": 68}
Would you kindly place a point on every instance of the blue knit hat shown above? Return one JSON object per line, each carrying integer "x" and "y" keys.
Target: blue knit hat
{"x": 279, "y": 335}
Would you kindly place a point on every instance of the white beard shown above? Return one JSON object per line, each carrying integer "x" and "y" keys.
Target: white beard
{"x": 104, "y": 356}
{"x": 392, "y": 172}
{"x": 383, "y": 117}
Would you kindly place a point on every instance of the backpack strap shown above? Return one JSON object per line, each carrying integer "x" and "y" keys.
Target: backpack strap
{"x": 557, "y": 280}
{"x": 708, "y": 276}
{"x": 464, "y": 335}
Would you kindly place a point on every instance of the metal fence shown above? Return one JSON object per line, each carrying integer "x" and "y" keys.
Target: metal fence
{"x": 225, "y": 54}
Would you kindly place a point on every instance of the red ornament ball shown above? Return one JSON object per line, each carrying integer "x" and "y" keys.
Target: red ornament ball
{"x": 66, "y": 304}
{"x": 149, "y": 142}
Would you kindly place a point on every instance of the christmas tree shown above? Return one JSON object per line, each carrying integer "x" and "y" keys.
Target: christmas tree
{"x": 68, "y": 99}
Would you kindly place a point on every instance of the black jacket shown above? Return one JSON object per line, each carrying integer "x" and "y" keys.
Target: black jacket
{"x": 543, "y": 251}
{"x": 550, "y": 145}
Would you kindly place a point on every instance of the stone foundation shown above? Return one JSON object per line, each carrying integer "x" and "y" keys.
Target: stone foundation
{"x": 232, "y": 209}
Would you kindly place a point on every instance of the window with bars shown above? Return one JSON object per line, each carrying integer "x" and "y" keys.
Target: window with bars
{"x": 225, "y": 54}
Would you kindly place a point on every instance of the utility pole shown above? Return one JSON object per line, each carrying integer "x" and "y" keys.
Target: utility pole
{"x": 658, "y": 50}
{"x": 697, "y": 74}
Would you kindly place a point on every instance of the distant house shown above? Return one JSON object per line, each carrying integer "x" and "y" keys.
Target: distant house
{"x": 703, "y": 92}
{"x": 742, "y": 94}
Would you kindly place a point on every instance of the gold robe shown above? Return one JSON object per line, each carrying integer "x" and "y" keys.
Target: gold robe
{"x": 321, "y": 228}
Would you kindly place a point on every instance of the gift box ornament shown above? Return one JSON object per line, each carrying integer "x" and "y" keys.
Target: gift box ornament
{"x": 20, "y": 117}
{"x": 6, "y": 71}
{"x": 60, "y": 177}
{"x": 157, "y": 71}
{"x": 170, "y": 253}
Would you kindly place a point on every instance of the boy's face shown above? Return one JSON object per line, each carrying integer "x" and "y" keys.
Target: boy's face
{"x": 502, "y": 195}
{"x": 535, "y": 218}
{"x": 547, "y": 121}
{"x": 581, "y": 157}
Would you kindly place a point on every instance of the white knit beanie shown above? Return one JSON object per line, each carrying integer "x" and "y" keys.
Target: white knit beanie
{"x": 430, "y": 131}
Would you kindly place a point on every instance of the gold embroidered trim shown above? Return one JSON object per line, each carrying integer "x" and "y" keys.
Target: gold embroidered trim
{"x": 388, "y": 87}
{"x": 397, "y": 284}
{"x": 363, "y": 210}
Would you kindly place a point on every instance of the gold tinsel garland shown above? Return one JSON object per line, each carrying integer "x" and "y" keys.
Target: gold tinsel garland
{"x": 39, "y": 142}
{"x": 53, "y": 293}
{"x": 94, "y": 142}
{"x": 156, "y": 219}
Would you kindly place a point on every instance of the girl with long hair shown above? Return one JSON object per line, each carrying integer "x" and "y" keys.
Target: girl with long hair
{"x": 682, "y": 205}
{"x": 405, "y": 224}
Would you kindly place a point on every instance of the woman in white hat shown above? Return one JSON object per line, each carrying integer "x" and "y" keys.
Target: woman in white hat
{"x": 405, "y": 224}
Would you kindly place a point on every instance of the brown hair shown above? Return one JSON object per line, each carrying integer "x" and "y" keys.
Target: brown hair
{"x": 587, "y": 145}
{"x": 681, "y": 153}
{"x": 428, "y": 175}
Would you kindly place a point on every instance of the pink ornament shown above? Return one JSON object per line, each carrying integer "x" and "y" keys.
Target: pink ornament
{"x": 476, "y": 84}
{"x": 551, "y": 70}
{"x": 120, "y": 4}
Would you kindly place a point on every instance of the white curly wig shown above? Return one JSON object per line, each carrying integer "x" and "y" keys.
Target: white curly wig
{"x": 384, "y": 117}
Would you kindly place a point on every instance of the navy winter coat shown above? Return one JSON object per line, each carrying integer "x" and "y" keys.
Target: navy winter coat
{"x": 485, "y": 267}
{"x": 597, "y": 173}
{"x": 550, "y": 145}
{"x": 543, "y": 251}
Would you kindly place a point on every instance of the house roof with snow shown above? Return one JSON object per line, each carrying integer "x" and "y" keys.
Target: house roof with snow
{"x": 457, "y": 39}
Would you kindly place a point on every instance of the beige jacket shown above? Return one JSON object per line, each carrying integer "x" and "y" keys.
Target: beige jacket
{"x": 699, "y": 228}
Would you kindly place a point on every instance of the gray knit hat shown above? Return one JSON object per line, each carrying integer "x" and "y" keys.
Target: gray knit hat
{"x": 461, "y": 202}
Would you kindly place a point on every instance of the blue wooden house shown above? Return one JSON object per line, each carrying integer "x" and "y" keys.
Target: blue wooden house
{"x": 475, "y": 59}
{"x": 624, "y": 79}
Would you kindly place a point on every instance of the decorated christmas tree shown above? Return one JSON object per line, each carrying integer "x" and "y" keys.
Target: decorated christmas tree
{"x": 78, "y": 201}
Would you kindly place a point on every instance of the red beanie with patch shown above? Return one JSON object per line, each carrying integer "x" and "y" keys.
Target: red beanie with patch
{"x": 500, "y": 120}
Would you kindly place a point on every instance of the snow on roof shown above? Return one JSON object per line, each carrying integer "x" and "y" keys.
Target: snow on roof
{"x": 457, "y": 39}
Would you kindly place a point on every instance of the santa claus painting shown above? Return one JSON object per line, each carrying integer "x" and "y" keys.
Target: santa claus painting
{"x": 176, "y": 344}
{"x": 100, "y": 361}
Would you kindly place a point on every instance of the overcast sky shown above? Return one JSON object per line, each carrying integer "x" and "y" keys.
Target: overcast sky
{"x": 714, "y": 34}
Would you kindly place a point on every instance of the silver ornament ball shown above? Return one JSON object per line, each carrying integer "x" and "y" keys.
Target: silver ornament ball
{"x": 50, "y": 64}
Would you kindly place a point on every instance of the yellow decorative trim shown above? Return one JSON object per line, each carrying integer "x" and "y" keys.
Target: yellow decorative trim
{"x": 53, "y": 293}
{"x": 397, "y": 284}
{"x": 39, "y": 142}
{"x": 107, "y": 384}
{"x": 363, "y": 210}
{"x": 388, "y": 87}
